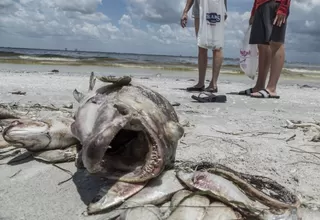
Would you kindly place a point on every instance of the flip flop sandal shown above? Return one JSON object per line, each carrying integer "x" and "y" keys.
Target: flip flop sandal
{"x": 209, "y": 98}
{"x": 265, "y": 94}
{"x": 246, "y": 92}
{"x": 195, "y": 89}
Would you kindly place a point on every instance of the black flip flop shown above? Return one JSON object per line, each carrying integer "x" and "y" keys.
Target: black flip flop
{"x": 195, "y": 89}
{"x": 246, "y": 92}
{"x": 209, "y": 98}
{"x": 265, "y": 94}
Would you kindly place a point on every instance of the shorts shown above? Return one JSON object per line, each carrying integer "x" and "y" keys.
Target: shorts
{"x": 262, "y": 30}
{"x": 196, "y": 9}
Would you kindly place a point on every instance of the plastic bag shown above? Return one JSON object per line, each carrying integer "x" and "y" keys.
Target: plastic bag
{"x": 249, "y": 56}
{"x": 211, "y": 24}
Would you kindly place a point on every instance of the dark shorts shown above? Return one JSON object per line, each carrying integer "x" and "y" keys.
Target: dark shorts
{"x": 262, "y": 30}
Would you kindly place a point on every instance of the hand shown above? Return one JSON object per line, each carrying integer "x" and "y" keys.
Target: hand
{"x": 279, "y": 20}
{"x": 225, "y": 16}
{"x": 251, "y": 20}
{"x": 184, "y": 20}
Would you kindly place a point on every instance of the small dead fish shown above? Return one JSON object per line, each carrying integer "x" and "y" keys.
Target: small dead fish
{"x": 222, "y": 190}
{"x": 219, "y": 211}
{"x": 156, "y": 192}
{"x": 147, "y": 212}
{"x": 191, "y": 208}
{"x": 111, "y": 197}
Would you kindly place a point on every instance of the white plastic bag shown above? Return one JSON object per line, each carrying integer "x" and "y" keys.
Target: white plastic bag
{"x": 249, "y": 56}
{"x": 211, "y": 24}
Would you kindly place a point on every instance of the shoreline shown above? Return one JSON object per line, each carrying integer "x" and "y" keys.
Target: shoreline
{"x": 190, "y": 68}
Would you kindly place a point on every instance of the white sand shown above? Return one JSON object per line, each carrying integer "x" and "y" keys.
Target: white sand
{"x": 34, "y": 192}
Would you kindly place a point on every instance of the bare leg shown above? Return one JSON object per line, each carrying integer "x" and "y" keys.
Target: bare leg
{"x": 265, "y": 56}
{"x": 202, "y": 60}
{"x": 277, "y": 62}
{"x": 217, "y": 60}
{"x": 278, "y": 56}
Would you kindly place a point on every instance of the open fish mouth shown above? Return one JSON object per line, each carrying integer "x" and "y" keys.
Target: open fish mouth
{"x": 128, "y": 150}
{"x": 29, "y": 134}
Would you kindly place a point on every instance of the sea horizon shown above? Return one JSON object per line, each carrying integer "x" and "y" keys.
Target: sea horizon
{"x": 170, "y": 62}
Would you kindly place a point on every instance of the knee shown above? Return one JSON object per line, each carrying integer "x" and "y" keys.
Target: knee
{"x": 276, "y": 46}
{"x": 217, "y": 52}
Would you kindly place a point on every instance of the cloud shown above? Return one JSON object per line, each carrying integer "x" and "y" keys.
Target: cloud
{"x": 166, "y": 12}
{"x": 144, "y": 26}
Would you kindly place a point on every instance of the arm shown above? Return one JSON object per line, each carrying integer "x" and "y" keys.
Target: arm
{"x": 283, "y": 8}
{"x": 184, "y": 18}
{"x": 188, "y": 6}
{"x": 225, "y": 3}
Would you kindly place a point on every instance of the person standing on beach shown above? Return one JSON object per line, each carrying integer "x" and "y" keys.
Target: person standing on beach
{"x": 202, "y": 52}
{"x": 268, "y": 30}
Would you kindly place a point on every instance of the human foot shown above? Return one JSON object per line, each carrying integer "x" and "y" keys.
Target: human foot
{"x": 246, "y": 92}
{"x": 264, "y": 93}
{"x": 211, "y": 89}
{"x": 197, "y": 88}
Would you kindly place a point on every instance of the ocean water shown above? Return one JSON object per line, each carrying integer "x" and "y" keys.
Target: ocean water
{"x": 41, "y": 56}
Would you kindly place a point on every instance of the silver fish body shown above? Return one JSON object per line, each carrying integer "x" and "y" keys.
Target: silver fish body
{"x": 185, "y": 206}
{"x": 219, "y": 211}
{"x": 223, "y": 190}
{"x": 147, "y": 212}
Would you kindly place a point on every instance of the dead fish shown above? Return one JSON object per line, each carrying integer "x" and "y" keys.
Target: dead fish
{"x": 49, "y": 140}
{"x": 127, "y": 131}
{"x": 110, "y": 197}
{"x": 147, "y": 212}
{"x": 187, "y": 206}
{"x": 221, "y": 189}
{"x": 156, "y": 192}
{"x": 219, "y": 211}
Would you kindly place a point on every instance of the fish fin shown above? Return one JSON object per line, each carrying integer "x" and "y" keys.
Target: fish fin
{"x": 56, "y": 156}
{"x": 78, "y": 95}
{"x": 92, "y": 81}
{"x": 174, "y": 130}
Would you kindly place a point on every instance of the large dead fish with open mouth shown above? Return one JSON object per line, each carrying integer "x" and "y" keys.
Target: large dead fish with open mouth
{"x": 128, "y": 132}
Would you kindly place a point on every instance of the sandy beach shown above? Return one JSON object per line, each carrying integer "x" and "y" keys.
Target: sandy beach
{"x": 246, "y": 134}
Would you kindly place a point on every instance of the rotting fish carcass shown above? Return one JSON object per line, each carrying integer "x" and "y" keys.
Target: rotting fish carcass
{"x": 241, "y": 198}
{"x": 127, "y": 131}
{"x": 219, "y": 211}
{"x": 147, "y": 212}
{"x": 156, "y": 192}
{"x": 47, "y": 139}
{"x": 188, "y": 206}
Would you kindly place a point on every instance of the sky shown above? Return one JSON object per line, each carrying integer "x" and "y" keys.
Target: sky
{"x": 142, "y": 26}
